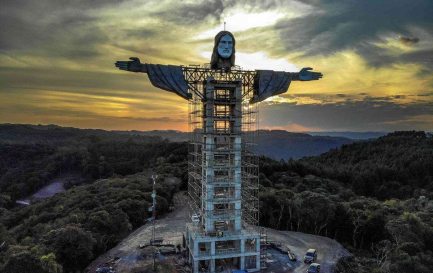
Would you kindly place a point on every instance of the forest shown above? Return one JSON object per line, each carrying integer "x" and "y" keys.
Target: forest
{"x": 374, "y": 197}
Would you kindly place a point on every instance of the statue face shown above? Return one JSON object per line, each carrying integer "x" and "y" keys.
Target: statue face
{"x": 225, "y": 46}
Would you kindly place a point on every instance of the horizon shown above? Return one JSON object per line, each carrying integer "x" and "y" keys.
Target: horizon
{"x": 174, "y": 130}
{"x": 57, "y": 62}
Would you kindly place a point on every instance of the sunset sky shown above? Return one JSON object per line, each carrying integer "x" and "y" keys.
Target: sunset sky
{"x": 57, "y": 60}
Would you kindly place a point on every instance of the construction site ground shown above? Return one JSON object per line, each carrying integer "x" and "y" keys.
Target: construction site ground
{"x": 132, "y": 254}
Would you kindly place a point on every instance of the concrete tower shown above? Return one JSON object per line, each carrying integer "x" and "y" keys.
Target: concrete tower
{"x": 219, "y": 237}
{"x": 222, "y": 170}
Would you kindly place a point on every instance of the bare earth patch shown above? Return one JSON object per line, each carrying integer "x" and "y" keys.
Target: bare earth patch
{"x": 127, "y": 256}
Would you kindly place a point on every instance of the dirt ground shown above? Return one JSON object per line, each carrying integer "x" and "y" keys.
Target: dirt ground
{"x": 132, "y": 257}
{"x": 128, "y": 257}
{"x": 329, "y": 251}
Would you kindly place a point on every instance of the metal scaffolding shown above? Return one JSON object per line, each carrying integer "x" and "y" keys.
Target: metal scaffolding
{"x": 222, "y": 170}
{"x": 223, "y": 174}
{"x": 223, "y": 116}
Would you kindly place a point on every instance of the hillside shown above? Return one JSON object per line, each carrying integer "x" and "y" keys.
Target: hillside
{"x": 351, "y": 135}
{"x": 278, "y": 144}
{"x": 275, "y": 144}
{"x": 32, "y": 156}
{"x": 107, "y": 198}
{"x": 70, "y": 229}
{"x": 53, "y": 134}
{"x": 398, "y": 165}
{"x": 374, "y": 197}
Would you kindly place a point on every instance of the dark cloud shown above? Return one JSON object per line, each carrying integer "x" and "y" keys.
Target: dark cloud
{"x": 193, "y": 13}
{"x": 141, "y": 33}
{"x": 78, "y": 29}
{"x": 210, "y": 10}
{"x": 368, "y": 114}
{"x": 408, "y": 40}
{"x": 51, "y": 28}
{"x": 424, "y": 57}
{"x": 356, "y": 25}
{"x": 377, "y": 56}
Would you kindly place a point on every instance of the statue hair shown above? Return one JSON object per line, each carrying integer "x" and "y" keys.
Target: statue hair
{"x": 216, "y": 60}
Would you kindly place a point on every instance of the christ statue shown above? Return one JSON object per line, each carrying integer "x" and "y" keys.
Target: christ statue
{"x": 267, "y": 83}
{"x": 223, "y": 176}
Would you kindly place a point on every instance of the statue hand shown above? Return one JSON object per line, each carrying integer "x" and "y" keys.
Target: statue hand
{"x": 134, "y": 65}
{"x": 306, "y": 75}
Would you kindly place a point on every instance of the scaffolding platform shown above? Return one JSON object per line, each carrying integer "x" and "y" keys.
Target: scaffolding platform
{"x": 223, "y": 172}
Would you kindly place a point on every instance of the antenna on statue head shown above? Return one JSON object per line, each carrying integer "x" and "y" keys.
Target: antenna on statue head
{"x": 224, "y": 25}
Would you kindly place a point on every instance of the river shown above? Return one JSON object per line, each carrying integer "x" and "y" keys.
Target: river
{"x": 56, "y": 186}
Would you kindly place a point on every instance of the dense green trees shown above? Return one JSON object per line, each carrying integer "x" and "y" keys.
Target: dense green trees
{"x": 65, "y": 232}
{"x": 25, "y": 168}
{"x": 83, "y": 222}
{"x": 375, "y": 197}
{"x": 26, "y": 259}
{"x": 24, "y": 262}
{"x": 73, "y": 247}
{"x": 399, "y": 165}
{"x": 386, "y": 236}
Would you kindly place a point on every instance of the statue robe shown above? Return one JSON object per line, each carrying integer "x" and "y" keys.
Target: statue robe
{"x": 267, "y": 83}
{"x": 169, "y": 78}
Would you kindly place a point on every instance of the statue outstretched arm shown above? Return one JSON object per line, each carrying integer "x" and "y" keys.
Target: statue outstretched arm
{"x": 166, "y": 77}
{"x": 268, "y": 83}
{"x": 133, "y": 66}
{"x": 306, "y": 75}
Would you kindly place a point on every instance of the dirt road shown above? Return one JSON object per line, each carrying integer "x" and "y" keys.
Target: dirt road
{"x": 329, "y": 251}
{"x": 172, "y": 226}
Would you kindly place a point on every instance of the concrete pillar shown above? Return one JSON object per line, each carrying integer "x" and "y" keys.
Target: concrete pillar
{"x": 212, "y": 265}
{"x": 242, "y": 241}
{"x": 209, "y": 174}
{"x": 190, "y": 245}
{"x": 209, "y": 109}
{"x": 238, "y": 180}
{"x": 238, "y": 191}
{"x": 242, "y": 263}
{"x": 212, "y": 248}
{"x": 238, "y": 218}
{"x": 195, "y": 267}
{"x": 195, "y": 249}
{"x": 258, "y": 255}
{"x": 238, "y": 109}
{"x": 234, "y": 168}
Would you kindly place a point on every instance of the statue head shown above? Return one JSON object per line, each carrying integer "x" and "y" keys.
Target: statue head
{"x": 223, "y": 55}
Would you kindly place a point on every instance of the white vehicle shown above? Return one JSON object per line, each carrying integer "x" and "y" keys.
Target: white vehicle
{"x": 310, "y": 256}
{"x": 313, "y": 268}
{"x": 291, "y": 255}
